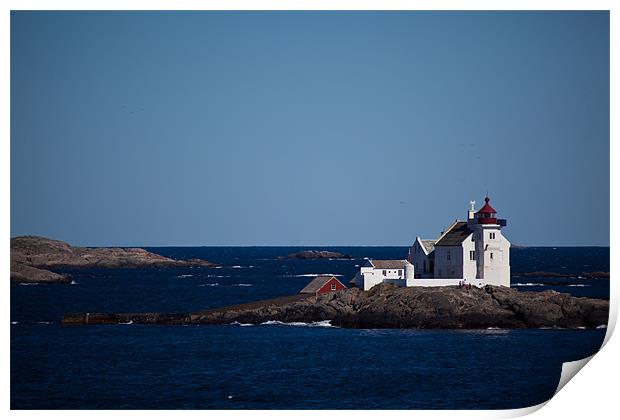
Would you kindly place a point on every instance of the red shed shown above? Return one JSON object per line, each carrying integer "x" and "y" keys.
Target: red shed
{"x": 323, "y": 284}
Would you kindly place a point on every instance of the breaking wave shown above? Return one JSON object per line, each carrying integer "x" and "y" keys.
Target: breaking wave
{"x": 324, "y": 324}
{"x": 528, "y": 284}
{"x": 243, "y": 285}
{"x": 182, "y": 276}
{"x": 600, "y": 327}
{"x": 577, "y": 285}
{"x": 209, "y": 284}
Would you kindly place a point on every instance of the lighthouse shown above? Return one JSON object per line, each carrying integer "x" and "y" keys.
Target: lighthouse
{"x": 473, "y": 252}
{"x": 491, "y": 248}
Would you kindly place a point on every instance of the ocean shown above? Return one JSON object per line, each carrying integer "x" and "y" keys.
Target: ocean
{"x": 279, "y": 366}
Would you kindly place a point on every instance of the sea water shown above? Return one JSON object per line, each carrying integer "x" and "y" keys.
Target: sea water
{"x": 276, "y": 365}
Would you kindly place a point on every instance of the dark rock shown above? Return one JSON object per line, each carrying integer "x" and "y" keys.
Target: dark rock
{"x": 33, "y": 256}
{"x": 315, "y": 255}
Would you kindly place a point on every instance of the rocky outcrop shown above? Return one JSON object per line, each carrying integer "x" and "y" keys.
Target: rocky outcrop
{"x": 32, "y": 258}
{"x": 22, "y": 273}
{"x": 386, "y": 306}
{"x": 315, "y": 255}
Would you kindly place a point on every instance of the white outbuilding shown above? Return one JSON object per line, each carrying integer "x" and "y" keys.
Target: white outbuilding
{"x": 396, "y": 272}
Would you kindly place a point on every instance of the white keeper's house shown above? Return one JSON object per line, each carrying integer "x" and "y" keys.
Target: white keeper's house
{"x": 472, "y": 252}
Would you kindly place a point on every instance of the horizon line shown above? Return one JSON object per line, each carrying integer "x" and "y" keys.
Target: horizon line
{"x": 292, "y": 245}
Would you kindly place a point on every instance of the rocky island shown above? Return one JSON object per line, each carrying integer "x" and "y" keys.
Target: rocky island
{"x": 315, "y": 255}
{"x": 387, "y": 306}
{"x": 33, "y": 258}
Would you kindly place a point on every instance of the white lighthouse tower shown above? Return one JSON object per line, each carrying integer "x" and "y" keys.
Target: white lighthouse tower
{"x": 492, "y": 249}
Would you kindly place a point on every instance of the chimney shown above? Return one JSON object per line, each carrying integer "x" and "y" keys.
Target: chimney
{"x": 471, "y": 212}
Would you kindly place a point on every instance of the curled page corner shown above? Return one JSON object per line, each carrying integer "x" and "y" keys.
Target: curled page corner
{"x": 520, "y": 412}
{"x": 570, "y": 369}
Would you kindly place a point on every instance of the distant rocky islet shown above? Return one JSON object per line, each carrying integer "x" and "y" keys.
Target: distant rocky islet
{"x": 315, "y": 255}
{"x": 35, "y": 259}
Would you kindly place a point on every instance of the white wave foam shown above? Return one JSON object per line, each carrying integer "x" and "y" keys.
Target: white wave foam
{"x": 209, "y": 284}
{"x": 182, "y": 276}
{"x": 14, "y": 322}
{"x": 218, "y": 277}
{"x": 577, "y": 285}
{"x": 325, "y": 324}
{"x": 237, "y": 266}
{"x": 44, "y": 322}
{"x": 126, "y": 323}
{"x": 601, "y": 326}
{"x": 73, "y": 282}
{"x": 243, "y": 285}
{"x": 528, "y": 284}
{"x": 28, "y": 284}
{"x": 240, "y": 324}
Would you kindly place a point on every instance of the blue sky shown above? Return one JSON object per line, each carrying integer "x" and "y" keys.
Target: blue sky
{"x": 308, "y": 128}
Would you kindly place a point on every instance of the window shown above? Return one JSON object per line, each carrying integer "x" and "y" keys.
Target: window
{"x": 333, "y": 286}
{"x": 400, "y": 272}
{"x": 384, "y": 272}
{"x": 491, "y": 255}
{"x": 472, "y": 255}
{"x": 492, "y": 235}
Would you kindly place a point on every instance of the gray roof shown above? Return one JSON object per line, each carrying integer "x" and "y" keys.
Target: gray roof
{"x": 428, "y": 244}
{"x": 388, "y": 264}
{"x": 317, "y": 283}
{"x": 455, "y": 236}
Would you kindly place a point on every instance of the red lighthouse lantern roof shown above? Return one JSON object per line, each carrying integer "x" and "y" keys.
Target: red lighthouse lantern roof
{"x": 487, "y": 207}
